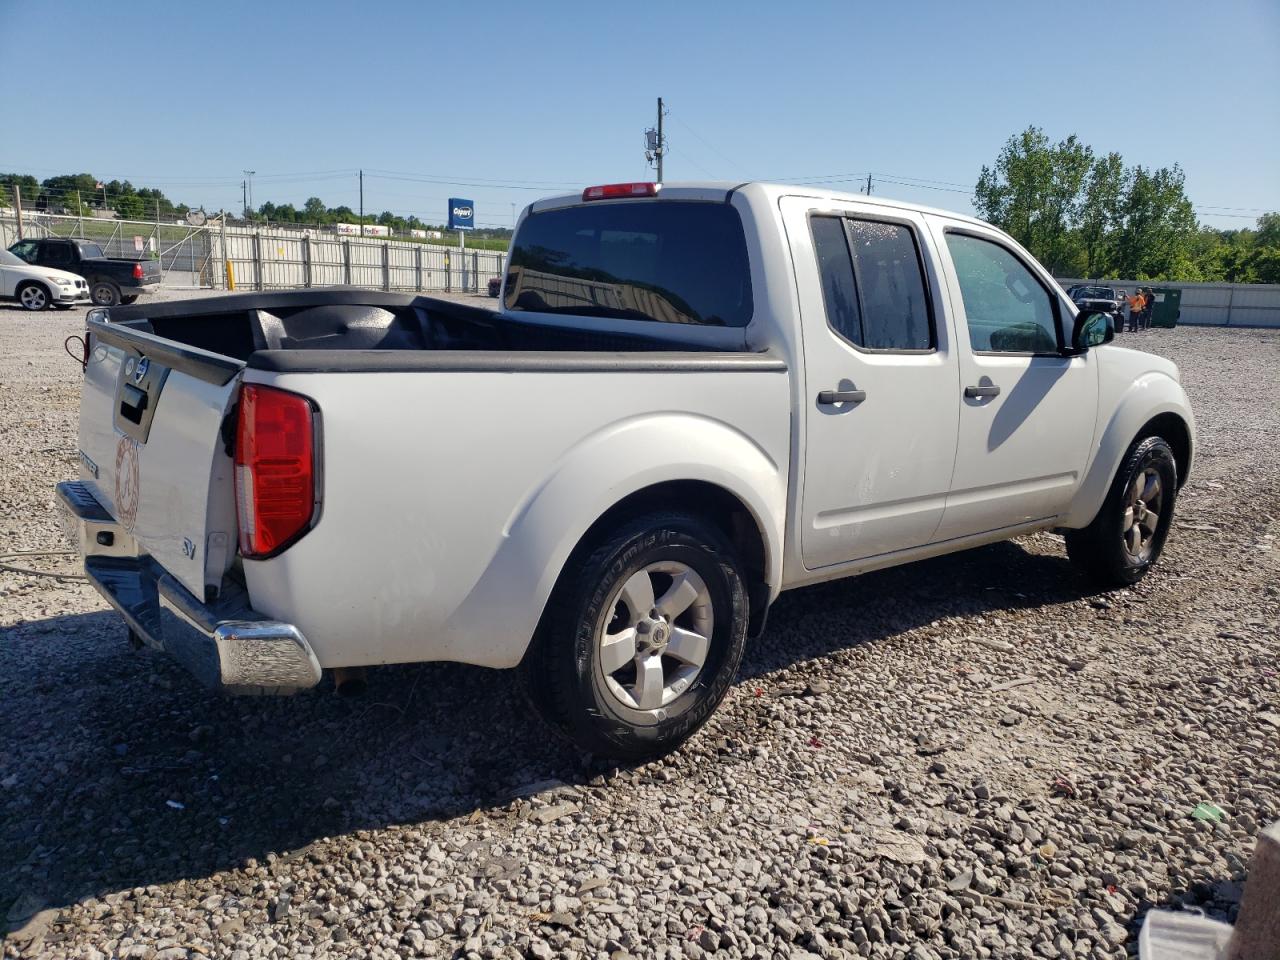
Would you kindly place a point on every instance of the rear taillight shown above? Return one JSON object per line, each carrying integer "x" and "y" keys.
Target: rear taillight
{"x": 275, "y": 469}
{"x": 137, "y": 271}
{"x": 613, "y": 191}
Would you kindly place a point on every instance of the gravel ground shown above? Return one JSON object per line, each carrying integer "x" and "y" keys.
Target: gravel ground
{"x": 970, "y": 757}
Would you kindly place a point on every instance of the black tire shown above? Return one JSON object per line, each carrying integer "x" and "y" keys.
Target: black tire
{"x": 33, "y": 296}
{"x": 104, "y": 293}
{"x": 128, "y": 300}
{"x": 563, "y": 674}
{"x": 1104, "y": 551}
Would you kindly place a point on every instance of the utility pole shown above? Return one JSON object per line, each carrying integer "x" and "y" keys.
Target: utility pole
{"x": 362, "y": 203}
{"x": 17, "y": 202}
{"x": 655, "y": 145}
{"x": 244, "y": 198}
{"x": 662, "y": 144}
{"x": 248, "y": 188}
{"x": 868, "y": 184}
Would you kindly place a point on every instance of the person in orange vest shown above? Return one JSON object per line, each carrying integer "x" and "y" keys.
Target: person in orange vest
{"x": 1136, "y": 303}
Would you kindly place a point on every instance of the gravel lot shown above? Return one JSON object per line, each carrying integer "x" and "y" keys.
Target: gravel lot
{"x": 971, "y": 757}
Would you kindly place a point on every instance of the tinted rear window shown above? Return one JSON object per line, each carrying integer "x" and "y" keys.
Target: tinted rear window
{"x": 665, "y": 261}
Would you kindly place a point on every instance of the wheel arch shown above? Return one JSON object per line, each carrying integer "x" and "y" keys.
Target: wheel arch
{"x": 32, "y": 282}
{"x": 702, "y": 498}
{"x": 1174, "y": 430}
{"x": 1153, "y": 404}
{"x": 707, "y": 467}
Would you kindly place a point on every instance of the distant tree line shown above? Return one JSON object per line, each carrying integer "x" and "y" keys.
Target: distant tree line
{"x": 78, "y": 194}
{"x": 1085, "y": 215}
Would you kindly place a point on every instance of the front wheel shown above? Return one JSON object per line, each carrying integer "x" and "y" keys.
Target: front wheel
{"x": 641, "y": 638}
{"x": 33, "y": 297}
{"x": 1127, "y": 536}
{"x": 104, "y": 293}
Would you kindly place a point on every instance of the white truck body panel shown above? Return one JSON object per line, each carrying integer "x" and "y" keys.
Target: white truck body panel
{"x": 463, "y": 558}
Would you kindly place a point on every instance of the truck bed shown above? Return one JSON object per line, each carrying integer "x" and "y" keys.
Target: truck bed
{"x": 257, "y": 329}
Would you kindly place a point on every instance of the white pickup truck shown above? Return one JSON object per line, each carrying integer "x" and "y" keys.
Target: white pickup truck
{"x": 693, "y": 397}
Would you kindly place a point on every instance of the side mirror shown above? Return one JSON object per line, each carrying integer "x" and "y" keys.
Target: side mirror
{"x": 1092, "y": 330}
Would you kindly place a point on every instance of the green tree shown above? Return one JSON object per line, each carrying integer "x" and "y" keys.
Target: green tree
{"x": 1035, "y": 193}
{"x": 315, "y": 210}
{"x": 1100, "y": 213}
{"x": 29, "y": 185}
{"x": 129, "y": 206}
{"x": 1159, "y": 224}
{"x": 1268, "y": 230}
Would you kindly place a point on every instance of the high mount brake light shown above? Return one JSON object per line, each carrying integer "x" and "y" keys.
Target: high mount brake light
{"x": 275, "y": 469}
{"x": 613, "y": 191}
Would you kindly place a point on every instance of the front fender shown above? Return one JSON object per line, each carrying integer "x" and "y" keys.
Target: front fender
{"x": 597, "y": 473}
{"x": 1146, "y": 397}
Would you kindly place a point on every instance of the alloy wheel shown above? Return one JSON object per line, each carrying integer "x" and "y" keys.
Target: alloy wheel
{"x": 655, "y": 640}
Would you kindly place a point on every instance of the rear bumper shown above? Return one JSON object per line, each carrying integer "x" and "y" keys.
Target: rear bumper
{"x": 225, "y": 644}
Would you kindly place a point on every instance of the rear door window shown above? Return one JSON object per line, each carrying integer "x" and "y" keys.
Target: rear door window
{"x": 873, "y": 283}
{"x": 57, "y": 254}
{"x": 662, "y": 261}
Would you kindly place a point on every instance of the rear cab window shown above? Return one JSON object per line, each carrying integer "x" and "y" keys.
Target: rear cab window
{"x": 660, "y": 261}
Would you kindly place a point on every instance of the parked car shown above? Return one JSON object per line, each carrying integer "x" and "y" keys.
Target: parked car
{"x": 1096, "y": 299}
{"x": 37, "y": 288}
{"x": 111, "y": 280}
{"x": 694, "y": 398}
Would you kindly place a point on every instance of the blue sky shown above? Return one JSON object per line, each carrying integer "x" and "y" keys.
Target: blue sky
{"x": 515, "y": 100}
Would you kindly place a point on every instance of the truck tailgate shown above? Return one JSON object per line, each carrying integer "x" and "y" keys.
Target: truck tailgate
{"x": 154, "y": 449}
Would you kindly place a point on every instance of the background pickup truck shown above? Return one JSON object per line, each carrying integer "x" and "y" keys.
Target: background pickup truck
{"x": 111, "y": 280}
{"x": 695, "y": 397}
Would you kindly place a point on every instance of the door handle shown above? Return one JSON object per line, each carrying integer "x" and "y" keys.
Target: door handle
{"x": 984, "y": 391}
{"x": 827, "y": 397}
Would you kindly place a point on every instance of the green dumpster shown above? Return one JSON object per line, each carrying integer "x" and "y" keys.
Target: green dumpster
{"x": 1167, "y": 306}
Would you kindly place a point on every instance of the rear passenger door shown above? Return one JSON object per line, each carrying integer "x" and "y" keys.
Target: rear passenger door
{"x": 879, "y": 381}
{"x": 1027, "y": 411}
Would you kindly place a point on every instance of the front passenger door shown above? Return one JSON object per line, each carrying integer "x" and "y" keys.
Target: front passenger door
{"x": 1027, "y": 410}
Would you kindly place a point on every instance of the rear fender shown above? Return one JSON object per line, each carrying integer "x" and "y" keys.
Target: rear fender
{"x": 1146, "y": 398}
{"x": 598, "y": 473}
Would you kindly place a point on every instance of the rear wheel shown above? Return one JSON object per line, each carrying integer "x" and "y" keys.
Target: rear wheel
{"x": 641, "y": 639}
{"x": 104, "y": 293}
{"x": 1127, "y": 536}
{"x": 33, "y": 297}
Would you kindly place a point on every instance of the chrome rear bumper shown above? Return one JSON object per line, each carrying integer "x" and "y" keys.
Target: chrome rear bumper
{"x": 226, "y": 644}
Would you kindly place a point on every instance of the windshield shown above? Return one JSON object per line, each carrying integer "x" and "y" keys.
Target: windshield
{"x": 663, "y": 261}
{"x": 9, "y": 260}
{"x": 1097, "y": 293}
{"x": 90, "y": 251}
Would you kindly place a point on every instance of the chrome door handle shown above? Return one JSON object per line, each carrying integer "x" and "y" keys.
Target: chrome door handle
{"x": 828, "y": 397}
{"x": 991, "y": 391}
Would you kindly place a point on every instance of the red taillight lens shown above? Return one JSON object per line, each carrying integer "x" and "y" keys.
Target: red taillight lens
{"x": 275, "y": 469}
{"x": 611, "y": 191}
{"x": 137, "y": 271}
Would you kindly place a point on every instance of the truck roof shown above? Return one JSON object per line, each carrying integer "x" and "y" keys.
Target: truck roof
{"x": 720, "y": 189}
